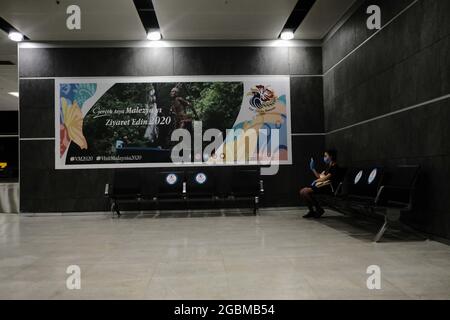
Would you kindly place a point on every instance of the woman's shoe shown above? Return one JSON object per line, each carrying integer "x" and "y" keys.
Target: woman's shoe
{"x": 319, "y": 213}
{"x": 310, "y": 214}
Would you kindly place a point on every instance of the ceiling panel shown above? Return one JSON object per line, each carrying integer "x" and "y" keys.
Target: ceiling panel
{"x": 8, "y": 73}
{"x": 8, "y": 83}
{"x": 322, "y": 17}
{"x": 8, "y": 48}
{"x": 222, "y": 19}
{"x": 44, "y": 20}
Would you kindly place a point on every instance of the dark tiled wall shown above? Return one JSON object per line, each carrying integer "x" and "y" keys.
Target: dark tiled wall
{"x": 403, "y": 65}
{"x": 44, "y": 189}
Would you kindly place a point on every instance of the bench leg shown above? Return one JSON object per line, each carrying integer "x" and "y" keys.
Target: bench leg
{"x": 256, "y": 206}
{"x": 115, "y": 207}
{"x": 382, "y": 230}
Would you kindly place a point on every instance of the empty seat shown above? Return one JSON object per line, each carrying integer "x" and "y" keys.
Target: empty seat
{"x": 363, "y": 184}
{"x": 127, "y": 183}
{"x": 200, "y": 183}
{"x": 245, "y": 182}
{"x": 377, "y": 190}
{"x": 398, "y": 186}
{"x": 170, "y": 184}
{"x": 177, "y": 188}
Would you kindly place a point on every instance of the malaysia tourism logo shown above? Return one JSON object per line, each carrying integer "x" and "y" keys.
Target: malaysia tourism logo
{"x": 263, "y": 99}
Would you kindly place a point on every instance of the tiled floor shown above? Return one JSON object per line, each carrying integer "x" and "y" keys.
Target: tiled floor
{"x": 277, "y": 255}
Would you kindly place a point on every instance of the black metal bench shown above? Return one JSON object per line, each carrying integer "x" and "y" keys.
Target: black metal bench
{"x": 396, "y": 195}
{"x": 201, "y": 185}
{"x": 247, "y": 186}
{"x": 214, "y": 186}
{"x": 361, "y": 187}
{"x": 376, "y": 190}
{"x": 134, "y": 186}
{"x": 126, "y": 188}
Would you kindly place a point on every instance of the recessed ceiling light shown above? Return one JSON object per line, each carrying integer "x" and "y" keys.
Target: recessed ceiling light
{"x": 15, "y": 94}
{"x": 287, "y": 35}
{"x": 154, "y": 35}
{"x": 15, "y": 36}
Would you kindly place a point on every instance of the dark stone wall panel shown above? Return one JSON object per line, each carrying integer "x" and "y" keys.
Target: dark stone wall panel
{"x": 354, "y": 31}
{"x": 80, "y": 62}
{"x": 306, "y": 105}
{"x": 36, "y": 63}
{"x": 415, "y": 80}
{"x": 283, "y": 188}
{"x": 44, "y": 189}
{"x": 305, "y": 60}
{"x": 404, "y": 65}
{"x": 231, "y": 61}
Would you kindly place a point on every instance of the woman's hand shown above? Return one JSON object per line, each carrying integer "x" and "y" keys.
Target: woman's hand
{"x": 312, "y": 166}
{"x": 324, "y": 178}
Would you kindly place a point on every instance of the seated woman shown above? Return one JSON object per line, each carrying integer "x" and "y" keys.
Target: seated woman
{"x": 322, "y": 184}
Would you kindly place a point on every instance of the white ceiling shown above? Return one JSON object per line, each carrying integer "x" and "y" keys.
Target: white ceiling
{"x": 8, "y": 73}
{"x": 322, "y": 17}
{"x": 243, "y": 19}
{"x": 8, "y": 83}
{"x": 222, "y": 19}
{"x": 8, "y": 48}
{"x": 45, "y": 20}
{"x": 100, "y": 19}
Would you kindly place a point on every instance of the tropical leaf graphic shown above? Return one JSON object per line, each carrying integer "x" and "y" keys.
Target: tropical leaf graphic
{"x": 73, "y": 121}
{"x": 83, "y": 92}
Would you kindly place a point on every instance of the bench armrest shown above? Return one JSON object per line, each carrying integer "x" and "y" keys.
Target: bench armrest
{"x": 108, "y": 188}
{"x": 379, "y": 194}
{"x": 338, "y": 189}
